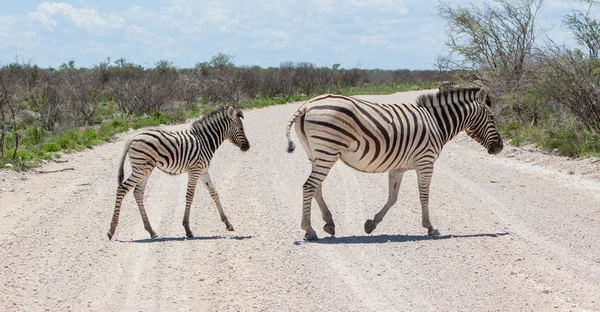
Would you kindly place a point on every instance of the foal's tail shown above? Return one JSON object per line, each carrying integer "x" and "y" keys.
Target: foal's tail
{"x": 121, "y": 172}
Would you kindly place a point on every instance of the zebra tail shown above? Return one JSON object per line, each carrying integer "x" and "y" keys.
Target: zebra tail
{"x": 299, "y": 113}
{"x": 121, "y": 171}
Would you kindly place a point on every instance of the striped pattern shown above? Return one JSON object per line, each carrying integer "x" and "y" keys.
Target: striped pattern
{"x": 177, "y": 152}
{"x": 377, "y": 138}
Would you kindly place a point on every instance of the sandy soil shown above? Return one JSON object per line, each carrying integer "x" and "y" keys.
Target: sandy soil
{"x": 519, "y": 232}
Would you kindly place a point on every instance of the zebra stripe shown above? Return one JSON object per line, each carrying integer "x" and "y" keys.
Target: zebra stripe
{"x": 393, "y": 138}
{"x": 177, "y": 152}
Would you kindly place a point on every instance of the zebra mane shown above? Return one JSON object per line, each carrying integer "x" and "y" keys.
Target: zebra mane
{"x": 218, "y": 114}
{"x": 428, "y": 99}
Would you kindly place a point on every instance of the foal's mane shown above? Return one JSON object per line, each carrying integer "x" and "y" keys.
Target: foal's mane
{"x": 216, "y": 114}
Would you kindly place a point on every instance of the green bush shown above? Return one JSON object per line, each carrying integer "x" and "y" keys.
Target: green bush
{"x": 68, "y": 140}
{"x": 151, "y": 121}
{"x": 24, "y": 159}
{"x": 51, "y": 148}
{"x": 90, "y": 138}
{"x": 33, "y": 136}
{"x": 567, "y": 138}
{"x": 517, "y": 141}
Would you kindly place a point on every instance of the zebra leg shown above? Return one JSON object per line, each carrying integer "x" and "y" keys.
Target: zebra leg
{"x": 424, "y": 177}
{"x": 122, "y": 190}
{"x": 395, "y": 179}
{"x": 215, "y": 196}
{"x": 193, "y": 176}
{"x": 320, "y": 169}
{"x": 138, "y": 193}
{"x": 329, "y": 226}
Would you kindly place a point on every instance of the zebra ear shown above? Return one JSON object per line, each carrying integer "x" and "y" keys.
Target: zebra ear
{"x": 231, "y": 112}
{"x": 482, "y": 96}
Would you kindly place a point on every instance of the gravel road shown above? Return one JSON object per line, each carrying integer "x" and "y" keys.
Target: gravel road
{"x": 519, "y": 232}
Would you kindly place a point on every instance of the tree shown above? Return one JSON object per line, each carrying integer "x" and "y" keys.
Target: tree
{"x": 585, "y": 29}
{"x": 67, "y": 66}
{"x": 571, "y": 77}
{"x": 221, "y": 60}
{"x": 494, "y": 44}
{"x": 8, "y": 113}
{"x": 164, "y": 66}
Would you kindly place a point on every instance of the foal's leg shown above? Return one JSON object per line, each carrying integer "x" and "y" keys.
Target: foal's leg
{"x": 138, "y": 193}
{"x": 320, "y": 169}
{"x": 424, "y": 174}
{"x": 215, "y": 196}
{"x": 395, "y": 178}
{"x": 193, "y": 176}
{"x": 139, "y": 173}
{"x": 122, "y": 190}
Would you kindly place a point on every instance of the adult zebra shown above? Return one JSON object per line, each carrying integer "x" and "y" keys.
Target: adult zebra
{"x": 378, "y": 138}
{"x": 177, "y": 152}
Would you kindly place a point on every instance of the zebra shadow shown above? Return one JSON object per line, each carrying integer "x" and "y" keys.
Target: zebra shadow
{"x": 181, "y": 239}
{"x": 384, "y": 238}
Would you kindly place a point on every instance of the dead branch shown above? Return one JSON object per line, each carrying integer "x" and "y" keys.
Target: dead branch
{"x": 53, "y": 171}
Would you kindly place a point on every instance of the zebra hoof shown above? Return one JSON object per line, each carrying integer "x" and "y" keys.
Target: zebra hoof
{"x": 110, "y": 235}
{"x": 433, "y": 232}
{"x": 311, "y": 236}
{"x": 227, "y": 224}
{"x": 153, "y": 235}
{"x": 330, "y": 229}
{"x": 370, "y": 226}
{"x": 189, "y": 235}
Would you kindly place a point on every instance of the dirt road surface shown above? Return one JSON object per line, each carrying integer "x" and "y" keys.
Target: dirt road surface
{"x": 520, "y": 232}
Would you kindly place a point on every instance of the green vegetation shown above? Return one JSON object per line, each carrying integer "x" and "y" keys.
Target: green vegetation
{"x": 37, "y": 145}
{"x": 566, "y": 139}
{"x": 46, "y": 112}
{"x": 388, "y": 88}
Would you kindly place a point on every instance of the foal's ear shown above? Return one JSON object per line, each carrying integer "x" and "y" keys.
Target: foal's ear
{"x": 231, "y": 112}
{"x": 482, "y": 97}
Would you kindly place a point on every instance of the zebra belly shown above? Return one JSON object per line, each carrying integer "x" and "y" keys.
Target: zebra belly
{"x": 353, "y": 160}
{"x": 173, "y": 171}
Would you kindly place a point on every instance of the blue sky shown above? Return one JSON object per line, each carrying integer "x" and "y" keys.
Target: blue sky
{"x": 387, "y": 34}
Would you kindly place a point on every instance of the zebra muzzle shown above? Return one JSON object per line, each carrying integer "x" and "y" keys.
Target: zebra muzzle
{"x": 495, "y": 148}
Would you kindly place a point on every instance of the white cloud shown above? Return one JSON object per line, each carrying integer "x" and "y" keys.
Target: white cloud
{"x": 564, "y": 5}
{"x": 374, "y": 33}
{"x": 374, "y": 41}
{"x": 6, "y": 26}
{"x": 49, "y": 15}
{"x": 38, "y": 19}
{"x": 138, "y": 34}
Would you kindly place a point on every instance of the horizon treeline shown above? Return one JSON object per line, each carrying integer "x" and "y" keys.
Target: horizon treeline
{"x": 37, "y": 103}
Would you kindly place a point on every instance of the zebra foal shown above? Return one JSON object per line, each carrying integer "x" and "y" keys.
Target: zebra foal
{"x": 393, "y": 138}
{"x": 177, "y": 152}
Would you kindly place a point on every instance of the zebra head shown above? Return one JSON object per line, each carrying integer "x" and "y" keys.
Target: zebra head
{"x": 482, "y": 127}
{"x": 236, "y": 133}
